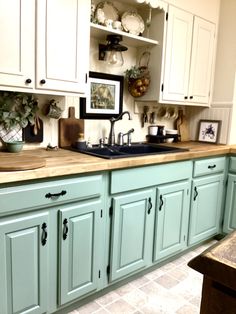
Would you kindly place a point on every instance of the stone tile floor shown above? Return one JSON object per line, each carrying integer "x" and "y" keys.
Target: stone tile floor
{"x": 171, "y": 289}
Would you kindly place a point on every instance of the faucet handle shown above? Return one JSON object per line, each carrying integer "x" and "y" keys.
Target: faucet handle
{"x": 120, "y": 140}
{"x": 102, "y": 141}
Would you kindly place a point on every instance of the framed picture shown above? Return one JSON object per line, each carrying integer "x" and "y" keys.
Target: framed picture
{"x": 105, "y": 96}
{"x": 209, "y": 131}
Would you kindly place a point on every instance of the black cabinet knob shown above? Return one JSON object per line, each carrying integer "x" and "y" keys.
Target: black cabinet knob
{"x": 185, "y": 97}
{"x": 191, "y": 97}
{"x": 43, "y": 81}
{"x": 28, "y": 81}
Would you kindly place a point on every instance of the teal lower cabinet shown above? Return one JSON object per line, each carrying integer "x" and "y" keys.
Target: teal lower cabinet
{"x": 206, "y": 203}
{"x": 171, "y": 223}
{"x": 80, "y": 247}
{"x": 230, "y": 205}
{"x": 131, "y": 232}
{"x": 24, "y": 263}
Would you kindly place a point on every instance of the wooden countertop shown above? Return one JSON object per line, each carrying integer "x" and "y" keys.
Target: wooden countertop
{"x": 64, "y": 162}
{"x": 219, "y": 261}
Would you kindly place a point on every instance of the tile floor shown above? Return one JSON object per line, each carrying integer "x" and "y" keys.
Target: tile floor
{"x": 171, "y": 289}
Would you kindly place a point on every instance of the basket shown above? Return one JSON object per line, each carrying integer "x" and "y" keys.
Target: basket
{"x": 138, "y": 86}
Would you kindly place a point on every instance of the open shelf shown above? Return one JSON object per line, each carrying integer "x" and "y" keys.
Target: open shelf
{"x": 100, "y": 32}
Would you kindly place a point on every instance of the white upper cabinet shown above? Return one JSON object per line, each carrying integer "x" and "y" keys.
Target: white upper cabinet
{"x": 188, "y": 58}
{"x": 62, "y": 44}
{"x": 183, "y": 69}
{"x": 17, "y": 32}
{"x": 44, "y": 45}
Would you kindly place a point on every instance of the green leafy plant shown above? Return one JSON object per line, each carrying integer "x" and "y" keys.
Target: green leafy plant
{"x": 17, "y": 109}
{"x": 133, "y": 73}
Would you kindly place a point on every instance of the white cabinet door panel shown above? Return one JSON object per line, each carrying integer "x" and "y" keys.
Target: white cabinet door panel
{"x": 178, "y": 53}
{"x": 17, "y": 28}
{"x": 201, "y": 63}
{"x": 63, "y": 44}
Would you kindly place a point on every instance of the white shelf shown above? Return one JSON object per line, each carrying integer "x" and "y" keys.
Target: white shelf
{"x": 100, "y": 32}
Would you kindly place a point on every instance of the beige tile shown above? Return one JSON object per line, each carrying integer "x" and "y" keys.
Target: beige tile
{"x": 178, "y": 274}
{"x": 89, "y": 308}
{"x": 167, "y": 281}
{"x": 124, "y": 289}
{"x": 196, "y": 301}
{"x": 101, "y": 311}
{"x": 140, "y": 282}
{"x": 163, "y": 302}
{"x": 120, "y": 307}
{"x": 187, "y": 309}
{"x": 136, "y": 298}
{"x": 152, "y": 289}
{"x": 108, "y": 298}
{"x": 155, "y": 274}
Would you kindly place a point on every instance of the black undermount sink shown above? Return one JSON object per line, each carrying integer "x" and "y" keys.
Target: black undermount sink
{"x": 135, "y": 150}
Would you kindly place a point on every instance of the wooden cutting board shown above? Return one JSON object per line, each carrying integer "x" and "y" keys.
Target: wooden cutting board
{"x": 69, "y": 128}
{"x": 10, "y": 163}
{"x": 182, "y": 126}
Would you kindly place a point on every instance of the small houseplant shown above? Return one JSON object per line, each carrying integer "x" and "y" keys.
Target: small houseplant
{"x": 17, "y": 110}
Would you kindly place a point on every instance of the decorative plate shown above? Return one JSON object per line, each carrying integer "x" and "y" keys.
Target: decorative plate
{"x": 110, "y": 12}
{"x": 132, "y": 23}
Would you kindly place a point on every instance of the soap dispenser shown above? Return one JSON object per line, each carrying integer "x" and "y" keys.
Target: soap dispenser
{"x": 80, "y": 143}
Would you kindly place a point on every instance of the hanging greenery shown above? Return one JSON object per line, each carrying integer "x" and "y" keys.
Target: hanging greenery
{"x": 17, "y": 109}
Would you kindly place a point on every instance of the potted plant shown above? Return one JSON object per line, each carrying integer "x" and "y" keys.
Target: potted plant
{"x": 17, "y": 110}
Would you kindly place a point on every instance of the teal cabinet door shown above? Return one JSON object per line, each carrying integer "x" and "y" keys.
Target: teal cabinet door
{"x": 206, "y": 203}
{"x": 24, "y": 264}
{"x": 79, "y": 226}
{"x": 171, "y": 224}
{"x": 230, "y": 205}
{"x": 132, "y": 232}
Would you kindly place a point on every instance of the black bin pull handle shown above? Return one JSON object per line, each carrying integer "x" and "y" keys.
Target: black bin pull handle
{"x": 65, "y": 229}
{"x": 51, "y": 195}
{"x": 44, "y": 234}
{"x": 195, "y": 194}
{"x": 211, "y": 167}
{"x": 149, "y": 205}
{"x": 161, "y": 202}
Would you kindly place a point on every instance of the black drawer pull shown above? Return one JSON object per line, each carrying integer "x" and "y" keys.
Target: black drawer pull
{"x": 161, "y": 203}
{"x": 50, "y": 195}
{"x": 44, "y": 234}
{"x": 65, "y": 228}
{"x": 211, "y": 167}
{"x": 149, "y": 205}
{"x": 43, "y": 81}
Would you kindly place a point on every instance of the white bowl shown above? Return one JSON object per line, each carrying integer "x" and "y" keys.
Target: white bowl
{"x": 171, "y": 131}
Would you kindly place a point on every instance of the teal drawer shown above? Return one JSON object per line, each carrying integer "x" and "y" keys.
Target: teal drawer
{"x": 208, "y": 166}
{"x": 49, "y": 193}
{"x": 141, "y": 177}
{"x": 232, "y": 164}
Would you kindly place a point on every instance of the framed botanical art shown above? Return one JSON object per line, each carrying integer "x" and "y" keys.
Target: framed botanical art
{"x": 105, "y": 96}
{"x": 209, "y": 131}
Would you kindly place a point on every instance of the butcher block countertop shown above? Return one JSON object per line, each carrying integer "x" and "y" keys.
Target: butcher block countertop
{"x": 64, "y": 162}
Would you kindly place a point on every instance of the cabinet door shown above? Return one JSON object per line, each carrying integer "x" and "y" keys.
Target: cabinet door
{"x": 205, "y": 207}
{"x": 17, "y": 33}
{"x": 24, "y": 264}
{"x": 230, "y": 205}
{"x": 178, "y": 52}
{"x": 79, "y": 249}
{"x": 201, "y": 61}
{"x": 132, "y": 232}
{"x": 62, "y": 44}
{"x": 172, "y": 212}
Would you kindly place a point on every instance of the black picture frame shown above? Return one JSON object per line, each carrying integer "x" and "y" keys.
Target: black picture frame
{"x": 105, "y": 96}
{"x": 209, "y": 131}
